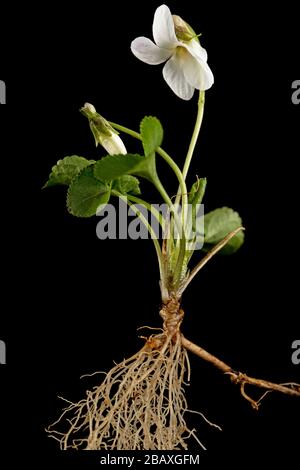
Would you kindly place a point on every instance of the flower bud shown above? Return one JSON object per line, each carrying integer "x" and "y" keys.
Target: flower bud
{"x": 103, "y": 132}
{"x": 183, "y": 31}
{"x": 114, "y": 145}
{"x": 88, "y": 109}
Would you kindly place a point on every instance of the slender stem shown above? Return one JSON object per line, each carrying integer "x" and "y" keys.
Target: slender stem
{"x": 126, "y": 130}
{"x": 169, "y": 160}
{"x": 181, "y": 233}
{"x": 160, "y": 188}
{"x": 175, "y": 169}
{"x": 191, "y": 148}
{"x": 165, "y": 196}
{"x": 158, "y": 216}
{"x": 195, "y": 134}
{"x": 150, "y": 230}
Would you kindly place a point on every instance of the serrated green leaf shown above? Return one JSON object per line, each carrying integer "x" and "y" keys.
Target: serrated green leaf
{"x": 114, "y": 166}
{"x": 127, "y": 184}
{"x": 66, "y": 170}
{"x": 86, "y": 193}
{"x": 218, "y": 224}
{"x": 152, "y": 134}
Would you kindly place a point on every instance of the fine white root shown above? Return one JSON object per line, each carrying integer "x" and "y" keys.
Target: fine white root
{"x": 140, "y": 405}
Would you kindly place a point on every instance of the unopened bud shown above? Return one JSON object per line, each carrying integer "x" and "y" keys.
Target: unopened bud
{"x": 89, "y": 108}
{"x": 114, "y": 145}
{"x": 103, "y": 132}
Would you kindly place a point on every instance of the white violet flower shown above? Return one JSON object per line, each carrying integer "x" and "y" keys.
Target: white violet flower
{"x": 176, "y": 42}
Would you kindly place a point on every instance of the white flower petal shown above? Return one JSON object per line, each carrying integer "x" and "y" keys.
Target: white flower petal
{"x": 197, "y": 74}
{"x": 114, "y": 145}
{"x": 174, "y": 76}
{"x": 164, "y": 29}
{"x": 196, "y": 50}
{"x": 145, "y": 50}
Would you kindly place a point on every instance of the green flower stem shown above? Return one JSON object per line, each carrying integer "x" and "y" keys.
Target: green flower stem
{"x": 180, "y": 228}
{"x": 195, "y": 134}
{"x": 151, "y": 232}
{"x": 191, "y": 149}
{"x": 175, "y": 169}
{"x": 126, "y": 130}
{"x": 157, "y": 183}
{"x": 158, "y": 216}
{"x": 169, "y": 160}
{"x": 166, "y": 198}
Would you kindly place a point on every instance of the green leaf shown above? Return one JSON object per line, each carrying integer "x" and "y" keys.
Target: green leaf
{"x": 86, "y": 193}
{"x": 66, "y": 170}
{"x": 114, "y": 166}
{"x": 218, "y": 224}
{"x": 127, "y": 185}
{"x": 152, "y": 134}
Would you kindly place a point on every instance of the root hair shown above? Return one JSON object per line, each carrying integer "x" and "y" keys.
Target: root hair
{"x": 140, "y": 405}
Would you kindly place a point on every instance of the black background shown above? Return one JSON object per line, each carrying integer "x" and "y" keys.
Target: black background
{"x": 71, "y": 304}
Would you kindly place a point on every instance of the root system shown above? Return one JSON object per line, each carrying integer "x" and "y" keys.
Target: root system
{"x": 139, "y": 405}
